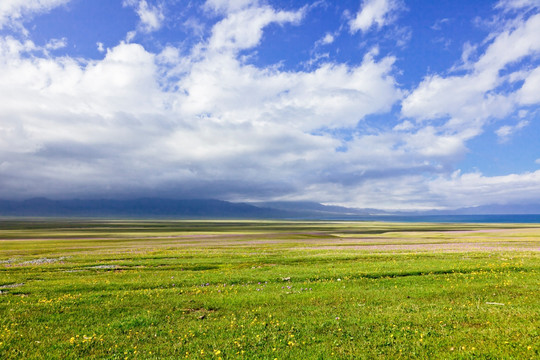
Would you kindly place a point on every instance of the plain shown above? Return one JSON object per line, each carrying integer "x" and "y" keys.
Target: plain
{"x": 268, "y": 290}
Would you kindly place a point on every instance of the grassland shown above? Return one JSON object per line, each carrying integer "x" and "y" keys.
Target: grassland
{"x": 268, "y": 290}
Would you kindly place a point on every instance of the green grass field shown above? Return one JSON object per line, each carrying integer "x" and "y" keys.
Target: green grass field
{"x": 268, "y": 290}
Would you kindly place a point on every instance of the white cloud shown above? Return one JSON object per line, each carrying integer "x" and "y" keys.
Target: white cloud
{"x": 537, "y": 161}
{"x": 243, "y": 29}
{"x": 55, "y": 44}
{"x": 130, "y": 36}
{"x": 111, "y": 126}
{"x": 469, "y": 100}
{"x": 511, "y": 46}
{"x": 330, "y": 96}
{"x": 468, "y": 51}
{"x": 228, "y": 6}
{"x": 509, "y": 5}
{"x": 458, "y": 107}
{"x": 327, "y": 39}
{"x": 530, "y": 91}
{"x": 195, "y": 25}
{"x": 12, "y": 12}
{"x": 374, "y": 12}
{"x": 429, "y": 143}
{"x": 151, "y": 16}
{"x": 404, "y": 126}
{"x": 474, "y": 189}
{"x": 505, "y": 132}
{"x": 439, "y": 24}
{"x": 100, "y": 47}
{"x": 205, "y": 122}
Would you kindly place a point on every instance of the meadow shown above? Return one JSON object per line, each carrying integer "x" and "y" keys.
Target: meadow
{"x": 103, "y": 289}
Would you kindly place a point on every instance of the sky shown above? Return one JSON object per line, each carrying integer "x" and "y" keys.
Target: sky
{"x": 388, "y": 104}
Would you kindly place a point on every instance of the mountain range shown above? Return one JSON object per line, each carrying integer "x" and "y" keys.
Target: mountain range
{"x": 219, "y": 209}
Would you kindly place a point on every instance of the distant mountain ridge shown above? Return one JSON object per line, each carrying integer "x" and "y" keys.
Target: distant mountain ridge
{"x": 313, "y": 207}
{"x": 140, "y": 208}
{"x": 219, "y": 209}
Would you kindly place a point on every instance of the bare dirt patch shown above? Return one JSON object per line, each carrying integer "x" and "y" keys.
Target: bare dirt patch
{"x": 42, "y": 261}
{"x": 11, "y": 286}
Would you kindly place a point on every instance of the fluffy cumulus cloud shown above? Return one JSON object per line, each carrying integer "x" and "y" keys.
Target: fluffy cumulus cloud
{"x": 13, "y": 12}
{"x": 243, "y": 29}
{"x": 472, "y": 98}
{"x": 221, "y": 128}
{"x": 376, "y": 13}
{"x": 488, "y": 88}
{"x": 151, "y": 16}
{"x": 206, "y": 122}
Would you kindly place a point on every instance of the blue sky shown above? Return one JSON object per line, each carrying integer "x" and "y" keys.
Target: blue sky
{"x": 392, "y": 104}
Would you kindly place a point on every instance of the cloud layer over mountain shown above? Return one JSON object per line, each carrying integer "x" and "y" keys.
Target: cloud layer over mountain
{"x": 212, "y": 117}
